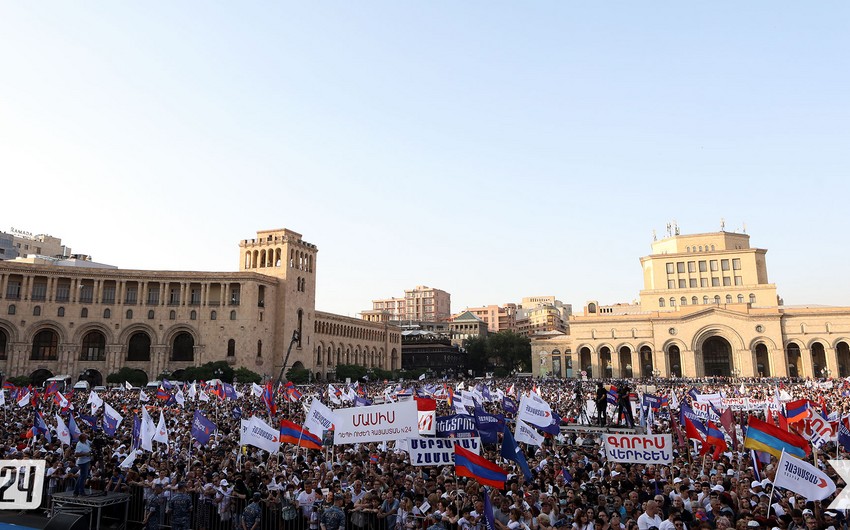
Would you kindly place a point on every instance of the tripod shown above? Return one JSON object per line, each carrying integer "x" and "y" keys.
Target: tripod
{"x": 579, "y": 405}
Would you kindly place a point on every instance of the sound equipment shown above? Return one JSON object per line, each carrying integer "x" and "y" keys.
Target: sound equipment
{"x": 68, "y": 521}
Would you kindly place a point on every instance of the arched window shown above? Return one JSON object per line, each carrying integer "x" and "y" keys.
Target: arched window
{"x": 213, "y": 315}
{"x": 84, "y": 312}
{"x": 712, "y": 248}
{"x": 183, "y": 347}
{"x": 60, "y": 312}
{"x": 172, "y": 315}
{"x": 740, "y": 299}
{"x": 683, "y": 301}
{"x": 107, "y": 313}
{"x": 94, "y": 347}
{"x": 660, "y": 302}
{"x": 139, "y": 347}
{"x": 672, "y": 302}
{"x": 193, "y": 315}
{"x": 728, "y": 298}
{"x": 36, "y": 311}
{"x": 11, "y": 309}
{"x": 259, "y": 348}
{"x": 752, "y": 298}
{"x": 231, "y": 348}
{"x": 705, "y": 300}
{"x": 151, "y": 314}
{"x": 233, "y": 315}
{"x": 694, "y": 300}
{"x": 45, "y": 345}
{"x": 717, "y": 299}
{"x": 3, "y": 341}
{"x": 129, "y": 314}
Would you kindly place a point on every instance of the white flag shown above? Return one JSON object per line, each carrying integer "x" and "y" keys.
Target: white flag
{"x": 128, "y": 462}
{"x": 2, "y": 398}
{"x": 256, "y": 389}
{"x": 179, "y": 398}
{"x": 193, "y": 392}
{"x": 161, "y": 434}
{"x": 332, "y": 395}
{"x": 62, "y": 431}
{"x": 203, "y": 396}
{"x": 422, "y": 377}
{"x": 674, "y": 401}
{"x": 24, "y": 401}
{"x": 525, "y": 433}
{"x": 147, "y": 432}
{"x": 319, "y": 418}
{"x": 143, "y": 398}
{"x": 63, "y": 401}
{"x": 95, "y": 401}
{"x": 113, "y": 414}
{"x": 127, "y": 385}
{"x": 803, "y": 478}
{"x": 258, "y": 433}
{"x": 533, "y": 410}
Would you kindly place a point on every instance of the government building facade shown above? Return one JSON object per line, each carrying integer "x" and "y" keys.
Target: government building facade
{"x": 90, "y": 322}
{"x": 707, "y": 309}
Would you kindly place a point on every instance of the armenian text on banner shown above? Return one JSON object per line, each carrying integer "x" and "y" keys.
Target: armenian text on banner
{"x": 639, "y": 449}
{"x": 376, "y": 423}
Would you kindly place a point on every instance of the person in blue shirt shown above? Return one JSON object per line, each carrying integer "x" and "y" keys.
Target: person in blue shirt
{"x": 83, "y": 454}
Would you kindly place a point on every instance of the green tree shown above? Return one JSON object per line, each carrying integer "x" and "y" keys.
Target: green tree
{"x": 381, "y": 375}
{"x": 478, "y": 354}
{"x": 352, "y": 371}
{"x": 134, "y": 377}
{"x": 298, "y": 376}
{"x": 19, "y": 380}
{"x": 244, "y": 375}
{"x": 209, "y": 371}
{"x": 510, "y": 350}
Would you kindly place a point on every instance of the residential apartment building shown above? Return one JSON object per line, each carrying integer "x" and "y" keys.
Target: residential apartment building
{"x": 498, "y": 318}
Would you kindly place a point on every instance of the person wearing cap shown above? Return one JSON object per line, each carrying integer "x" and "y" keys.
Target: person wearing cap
{"x": 251, "y": 515}
{"x": 153, "y": 507}
{"x": 180, "y": 508}
{"x": 334, "y": 518}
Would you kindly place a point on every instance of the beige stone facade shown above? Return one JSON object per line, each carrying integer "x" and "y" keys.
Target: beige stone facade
{"x": 68, "y": 320}
{"x": 498, "y": 318}
{"x": 707, "y": 308}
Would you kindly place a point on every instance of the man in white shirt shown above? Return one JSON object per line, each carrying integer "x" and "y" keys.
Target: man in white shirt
{"x": 650, "y": 517}
{"x": 306, "y": 499}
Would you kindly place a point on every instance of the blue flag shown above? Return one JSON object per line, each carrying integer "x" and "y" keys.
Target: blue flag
{"x": 511, "y": 451}
{"x": 489, "y": 520}
{"x": 110, "y": 424}
{"x": 568, "y": 478}
{"x": 455, "y": 425}
{"x": 166, "y": 384}
{"x": 509, "y": 405}
{"x": 91, "y": 421}
{"x": 488, "y": 425}
{"x": 202, "y": 428}
{"x": 553, "y": 428}
{"x": 229, "y": 391}
{"x": 361, "y": 402}
{"x": 237, "y": 413}
{"x": 843, "y": 436}
{"x": 72, "y": 428}
{"x": 40, "y": 427}
{"x": 137, "y": 432}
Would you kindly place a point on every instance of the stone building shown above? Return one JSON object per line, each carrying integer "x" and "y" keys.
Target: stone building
{"x": 707, "y": 309}
{"x": 69, "y": 320}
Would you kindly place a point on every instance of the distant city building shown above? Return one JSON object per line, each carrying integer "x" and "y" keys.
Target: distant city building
{"x": 498, "y": 318}
{"x": 539, "y": 314}
{"x": 707, "y": 309}
{"x": 432, "y": 351}
{"x": 466, "y": 326}
{"x": 24, "y": 243}
{"x": 420, "y": 304}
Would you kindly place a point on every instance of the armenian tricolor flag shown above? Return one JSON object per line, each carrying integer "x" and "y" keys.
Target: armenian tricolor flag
{"x": 797, "y": 410}
{"x": 768, "y": 438}
{"x": 468, "y": 464}
{"x": 293, "y": 433}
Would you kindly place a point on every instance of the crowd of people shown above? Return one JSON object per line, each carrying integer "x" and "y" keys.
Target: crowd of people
{"x": 372, "y": 486}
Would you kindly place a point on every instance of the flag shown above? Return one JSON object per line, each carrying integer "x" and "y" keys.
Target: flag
{"x": 468, "y": 464}
{"x": 534, "y": 410}
{"x": 95, "y": 401}
{"x": 202, "y": 396}
{"x": 256, "y": 390}
{"x": 260, "y": 434}
{"x": 111, "y": 419}
{"x": 236, "y": 413}
{"x": 147, "y": 431}
{"x": 127, "y": 385}
{"x": 91, "y": 421}
{"x": 202, "y": 428}
{"x": 511, "y": 451}
{"x": 803, "y": 478}
{"x": 40, "y": 427}
{"x": 143, "y": 398}
{"x": 762, "y": 436}
{"x": 72, "y": 428}
{"x": 60, "y": 400}
{"x": 62, "y": 431}
{"x": 694, "y": 428}
{"x": 161, "y": 434}
{"x": 674, "y": 400}
{"x": 524, "y": 433}
{"x": 844, "y": 435}
{"x": 268, "y": 399}
{"x": 756, "y": 465}
{"x": 293, "y": 433}
{"x": 180, "y": 398}
{"x": 797, "y": 410}
{"x": 2, "y": 398}
{"x": 713, "y": 438}
{"x": 227, "y": 391}
{"x": 489, "y": 519}
{"x": 162, "y": 393}
{"x": 25, "y": 400}
{"x": 51, "y": 388}
{"x": 510, "y": 405}
{"x": 137, "y": 433}
{"x": 568, "y": 478}
{"x": 293, "y": 393}
{"x": 728, "y": 422}
{"x": 361, "y": 402}
{"x": 193, "y": 391}
{"x": 427, "y": 415}
{"x": 319, "y": 418}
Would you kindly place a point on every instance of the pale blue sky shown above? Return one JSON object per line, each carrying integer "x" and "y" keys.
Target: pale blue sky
{"x": 491, "y": 149}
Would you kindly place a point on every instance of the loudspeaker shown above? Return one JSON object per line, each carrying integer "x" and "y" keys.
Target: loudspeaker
{"x": 68, "y": 521}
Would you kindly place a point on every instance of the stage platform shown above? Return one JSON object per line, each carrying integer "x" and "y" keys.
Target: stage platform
{"x": 91, "y": 504}
{"x": 596, "y": 429}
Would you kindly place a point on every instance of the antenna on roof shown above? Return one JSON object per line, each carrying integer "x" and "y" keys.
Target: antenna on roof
{"x": 745, "y": 228}
{"x": 676, "y": 226}
{"x": 722, "y": 224}
{"x": 654, "y": 237}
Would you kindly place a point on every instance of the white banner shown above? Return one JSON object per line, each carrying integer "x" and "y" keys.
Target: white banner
{"x": 745, "y": 403}
{"x": 715, "y": 399}
{"x": 525, "y": 433}
{"x": 260, "y": 434}
{"x": 534, "y": 411}
{"x": 439, "y": 451}
{"x": 803, "y": 478}
{"x": 319, "y": 418}
{"x": 376, "y": 423}
{"x": 639, "y": 449}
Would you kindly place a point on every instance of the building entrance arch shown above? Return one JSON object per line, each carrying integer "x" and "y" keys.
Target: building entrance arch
{"x": 717, "y": 357}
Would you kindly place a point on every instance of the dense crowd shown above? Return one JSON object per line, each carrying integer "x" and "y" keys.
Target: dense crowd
{"x": 374, "y": 486}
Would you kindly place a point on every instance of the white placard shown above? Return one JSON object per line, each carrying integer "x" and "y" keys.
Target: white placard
{"x": 639, "y": 449}
{"x": 439, "y": 451}
{"x": 25, "y": 484}
{"x": 376, "y": 423}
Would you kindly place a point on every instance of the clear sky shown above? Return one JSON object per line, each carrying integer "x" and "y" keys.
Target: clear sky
{"x": 491, "y": 149}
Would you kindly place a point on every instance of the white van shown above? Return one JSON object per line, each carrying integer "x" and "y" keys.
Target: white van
{"x": 63, "y": 381}
{"x": 82, "y": 385}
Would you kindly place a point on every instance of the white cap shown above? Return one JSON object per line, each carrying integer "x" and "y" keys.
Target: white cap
{"x": 755, "y": 484}
{"x": 718, "y": 487}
